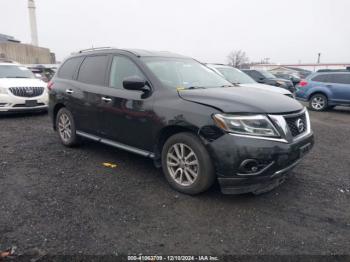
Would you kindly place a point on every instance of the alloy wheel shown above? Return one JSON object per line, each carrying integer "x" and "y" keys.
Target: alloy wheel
{"x": 64, "y": 127}
{"x": 183, "y": 164}
{"x": 318, "y": 103}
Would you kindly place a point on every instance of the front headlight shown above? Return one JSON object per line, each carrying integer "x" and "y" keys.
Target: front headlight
{"x": 254, "y": 125}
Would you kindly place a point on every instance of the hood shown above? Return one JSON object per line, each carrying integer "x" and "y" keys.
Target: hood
{"x": 268, "y": 88}
{"x": 242, "y": 100}
{"x": 18, "y": 82}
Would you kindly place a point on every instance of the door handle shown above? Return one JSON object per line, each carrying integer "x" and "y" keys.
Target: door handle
{"x": 106, "y": 99}
{"x": 329, "y": 86}
{"x": 69, "y": 91}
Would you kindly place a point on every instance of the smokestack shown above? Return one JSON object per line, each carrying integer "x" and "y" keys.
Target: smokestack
{"x": 32, "y": 21}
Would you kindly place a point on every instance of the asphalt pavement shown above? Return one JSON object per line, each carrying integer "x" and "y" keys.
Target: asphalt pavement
{"x": 66, "y": 201}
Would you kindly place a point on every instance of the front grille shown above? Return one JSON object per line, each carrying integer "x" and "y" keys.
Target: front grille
{"x": 27, "y": 91}
{"x": 297, "y": 124}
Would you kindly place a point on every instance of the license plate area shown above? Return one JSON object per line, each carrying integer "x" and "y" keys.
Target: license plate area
{"x": 304, "y": 149}
{"x": 31, "y": 103}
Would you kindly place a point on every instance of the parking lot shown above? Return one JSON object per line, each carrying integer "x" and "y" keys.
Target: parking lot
{"x": 65, "y": 201}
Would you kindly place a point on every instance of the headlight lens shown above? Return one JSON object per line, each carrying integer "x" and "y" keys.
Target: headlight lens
{"x": 254, "y": 125}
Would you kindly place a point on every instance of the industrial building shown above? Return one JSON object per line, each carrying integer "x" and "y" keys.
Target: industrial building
{"x": 13, "y": 49}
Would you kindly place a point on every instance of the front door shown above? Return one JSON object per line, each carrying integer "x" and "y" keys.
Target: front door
{"x": 340, "y": 87}
{"x": 126, "y": 116}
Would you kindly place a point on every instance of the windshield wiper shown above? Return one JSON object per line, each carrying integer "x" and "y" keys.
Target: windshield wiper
{"x": 17, "y": 77}
{"x": 195, "y": 87}
{"x": 233, "y": 84}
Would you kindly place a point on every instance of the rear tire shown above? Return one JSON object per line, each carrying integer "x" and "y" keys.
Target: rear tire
{"x": 65, "y": 126}
{"x": 186, "y": 164}
{"x": 318, "y": 102}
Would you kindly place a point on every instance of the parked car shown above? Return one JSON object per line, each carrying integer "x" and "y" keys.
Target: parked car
{"x": 265, "y": 77}
{"x": 237, "y": 77}
{"x": 181, "y": 114}
{"x": 325, "y": 90}
{"x": 20, "y": 91}
{"x": 42, "y": 72}
{"x": 294, "y": 78}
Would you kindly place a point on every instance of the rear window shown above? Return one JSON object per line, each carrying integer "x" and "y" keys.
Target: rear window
{"x": 93, "y": 70}
{"x": 325, "y": 78}
{"x": 69, "y": 68}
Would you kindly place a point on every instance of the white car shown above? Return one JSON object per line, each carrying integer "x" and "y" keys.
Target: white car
{"x": 20, "y": 91}
{"x": 237, "y": 77}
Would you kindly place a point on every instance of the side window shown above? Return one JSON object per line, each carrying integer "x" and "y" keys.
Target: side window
{"x": 93, "y": 70}
{"x": 325, "y": 78}
{"x": 256, "y": 75}
{"x": 340, "y": 78}
{"x": 69, "y": 68}
{"x": 122, "y": 67}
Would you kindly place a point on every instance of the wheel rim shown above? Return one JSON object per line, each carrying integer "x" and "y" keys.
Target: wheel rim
{"x": 64, "y": 127}
{"x": 182, "y": 163}
{"x": 318, "y": 103}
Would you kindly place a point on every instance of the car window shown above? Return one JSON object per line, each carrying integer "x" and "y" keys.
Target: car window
{"x": 324, "y": 78}
{"x": 93, "y": 70}
{"x": 14, "y": 71}
{"x": 122, "y": 67}
{"x": 254, "y": 74}
{"x": 184, "y": 73}
{"x": 69, "y": 68}
{"x": 340, "y": 78}
{"x": 235, "y": 76}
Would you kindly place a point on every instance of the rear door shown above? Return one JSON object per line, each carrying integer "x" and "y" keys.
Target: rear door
{"x": 91, "y": 81}
{"x": 340, "y": 87}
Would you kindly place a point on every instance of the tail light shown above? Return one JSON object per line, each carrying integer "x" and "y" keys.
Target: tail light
{"x": 50, "y": 85}
{"x": 303, "y": 83}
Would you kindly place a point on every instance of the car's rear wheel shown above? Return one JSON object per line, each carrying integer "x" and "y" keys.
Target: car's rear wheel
{"x": 186, "y": 164}
{"x": 66, "y": 127}
{"x": 318, "y": 102}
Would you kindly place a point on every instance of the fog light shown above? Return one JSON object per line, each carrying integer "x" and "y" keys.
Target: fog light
{"x": 253, "y": 167}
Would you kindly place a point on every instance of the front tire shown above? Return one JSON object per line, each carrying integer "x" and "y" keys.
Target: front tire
{"x": 318, "y": 102}
{"x": 186, "y": 164}
{"x": 66, "y": 128}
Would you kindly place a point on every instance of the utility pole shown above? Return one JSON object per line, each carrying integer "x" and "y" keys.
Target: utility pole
{"x": 318, "y": 58}
{"x": 32, "y": 22}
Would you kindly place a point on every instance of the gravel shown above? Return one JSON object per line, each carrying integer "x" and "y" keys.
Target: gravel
{"x": 65, "y": 201}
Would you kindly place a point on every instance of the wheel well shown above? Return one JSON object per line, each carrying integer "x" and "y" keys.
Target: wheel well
{"x": 318, "y": 92}
{"x": 167, "y": 132}
{"x": 55, "y": 111}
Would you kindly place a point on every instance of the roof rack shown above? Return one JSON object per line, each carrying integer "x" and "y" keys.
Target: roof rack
{"x": 95, "y": 49}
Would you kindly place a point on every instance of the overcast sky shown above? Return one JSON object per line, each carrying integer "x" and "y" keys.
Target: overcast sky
{"x": 286, "y": 31}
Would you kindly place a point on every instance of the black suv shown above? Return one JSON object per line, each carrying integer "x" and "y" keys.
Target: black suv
{"x": 265, "y": 77}
{"x": 188, "y": 119}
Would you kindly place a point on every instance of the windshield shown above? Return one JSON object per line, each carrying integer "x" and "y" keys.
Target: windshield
{"x": 235, "y": 76}
{"x": 14, "y": 71}
{"x": 184, "y": 73}
{"x": 267, "y": 74}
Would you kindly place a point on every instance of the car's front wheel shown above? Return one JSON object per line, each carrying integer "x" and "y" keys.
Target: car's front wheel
{"x": 186, "y": 164}
{"x": 318, "y": 102}
{"x": 66, "y": 127}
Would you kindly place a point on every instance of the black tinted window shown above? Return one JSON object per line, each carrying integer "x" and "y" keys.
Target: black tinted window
{"x": 69, "y": 68}
{"x": 122, "y": 67}
{"x": 93, "y": 70}
{"x": 322, "y": 78}
{"x": 340, "y": 78}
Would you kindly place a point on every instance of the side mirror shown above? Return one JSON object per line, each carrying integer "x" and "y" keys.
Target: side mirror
{"x": 134, "y": 83}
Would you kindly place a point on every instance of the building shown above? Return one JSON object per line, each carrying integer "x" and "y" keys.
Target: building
{"x": 13, "y": 49}
{"x": 307, "y": 67}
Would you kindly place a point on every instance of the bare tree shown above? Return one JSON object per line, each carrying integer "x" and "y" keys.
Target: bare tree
{"x": 237, "y": 58}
